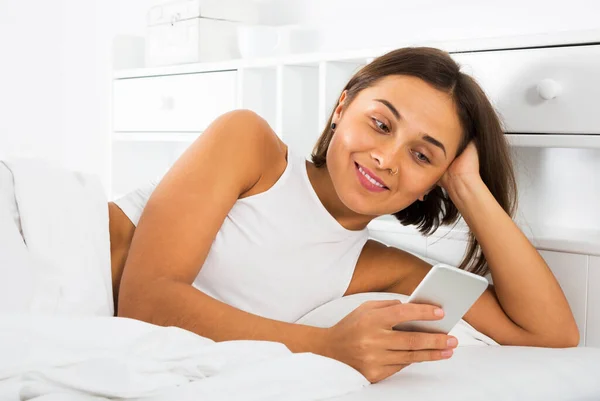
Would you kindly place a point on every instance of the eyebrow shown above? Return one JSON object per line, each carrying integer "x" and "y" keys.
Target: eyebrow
{"x": 390, "y": 106}
{"x": 426, "y": 137}
{"x": 435, "y": 142}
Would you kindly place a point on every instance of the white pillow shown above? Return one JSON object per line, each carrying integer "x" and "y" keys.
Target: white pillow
{"x": 329, "y": 314}
{"x": 16, "y": 274}
{"x": 332, "y": 312}
{"x": 7, "y": 195}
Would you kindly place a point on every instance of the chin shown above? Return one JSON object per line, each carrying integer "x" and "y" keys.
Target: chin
{"x": 359, "y": 204}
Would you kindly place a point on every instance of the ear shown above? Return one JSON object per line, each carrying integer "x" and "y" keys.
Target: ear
{"x": 337, "y": 113}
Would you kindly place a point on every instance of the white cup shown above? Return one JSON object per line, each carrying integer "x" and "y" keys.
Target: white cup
{"x": 298, "y": 39}
{"x": 265, "y": 41}
{"x": 258, "y": 40}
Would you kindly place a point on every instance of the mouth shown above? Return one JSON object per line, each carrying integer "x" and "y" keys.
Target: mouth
{"x": 369, "y": 180}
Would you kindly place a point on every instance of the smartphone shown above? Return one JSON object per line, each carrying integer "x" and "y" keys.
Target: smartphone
{"x": 454, "y": 290}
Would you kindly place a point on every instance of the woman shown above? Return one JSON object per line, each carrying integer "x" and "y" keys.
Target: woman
{"x": 242, "y": 237}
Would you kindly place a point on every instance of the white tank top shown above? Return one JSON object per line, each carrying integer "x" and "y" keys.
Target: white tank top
{"x": 278, "y": 254}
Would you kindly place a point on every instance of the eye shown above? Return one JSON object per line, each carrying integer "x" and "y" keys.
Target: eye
{"x": 381, "y": 126}
{"x": 422, "y": 158}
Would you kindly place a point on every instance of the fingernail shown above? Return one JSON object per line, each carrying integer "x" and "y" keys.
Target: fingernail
{"x": 438, "y": 312}
{"x": 446, "y": 353}
{"x": 452, "y": 342}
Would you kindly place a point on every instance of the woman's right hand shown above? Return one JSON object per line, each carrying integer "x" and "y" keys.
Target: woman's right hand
{"x": 365, "y": 340}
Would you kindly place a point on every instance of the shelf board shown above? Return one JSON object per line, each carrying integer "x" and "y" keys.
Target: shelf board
{"x": 155, "y": 136}
{"x": 365, "y": 55}
{"x": 544, "y": 237}
{"x": 554, "y": 140}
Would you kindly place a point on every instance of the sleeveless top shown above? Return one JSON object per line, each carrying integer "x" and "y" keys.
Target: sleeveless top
{"x": 278, "y": 254}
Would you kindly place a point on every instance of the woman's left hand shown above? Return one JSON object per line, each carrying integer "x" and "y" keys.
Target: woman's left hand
{"x": 465, "y": 166}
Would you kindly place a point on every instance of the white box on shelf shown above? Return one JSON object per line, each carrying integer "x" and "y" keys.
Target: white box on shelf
{"x": 191, "y": 41}
{"x": 194, "y": 31}
{"x": 230, "y": 10}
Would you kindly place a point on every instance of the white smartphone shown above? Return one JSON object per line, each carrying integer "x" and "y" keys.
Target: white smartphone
{"x": 454, "y": 290}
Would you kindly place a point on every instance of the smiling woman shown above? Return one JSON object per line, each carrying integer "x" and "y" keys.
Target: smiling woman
{"x": 420, "y": 116}
{"x": 243, "y": 230}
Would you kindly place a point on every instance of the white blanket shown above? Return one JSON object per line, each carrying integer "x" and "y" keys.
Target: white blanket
{"x": 91, "y": 358}
{"x": 59, "y": 341}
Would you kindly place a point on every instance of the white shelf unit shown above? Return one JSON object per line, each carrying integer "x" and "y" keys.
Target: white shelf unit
{"x": 296, "y": 94}
{"x": 367, "y": 55}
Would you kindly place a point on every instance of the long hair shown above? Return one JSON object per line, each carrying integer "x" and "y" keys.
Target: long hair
{"x": 479, "y": 122}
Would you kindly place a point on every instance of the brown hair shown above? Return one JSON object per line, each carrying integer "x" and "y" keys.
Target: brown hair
{"x": 479, "y": 121}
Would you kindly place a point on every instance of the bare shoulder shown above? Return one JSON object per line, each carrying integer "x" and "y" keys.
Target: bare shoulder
{"x": 381, "y": 267}
{"x": 250, "y": 132}
{"x": 247, "y": 140}
{"x": 252, "y": 127}
{"x": 266, "y": 145}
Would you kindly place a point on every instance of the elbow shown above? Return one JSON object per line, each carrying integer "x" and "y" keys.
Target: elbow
{"x": 566, "y": 338}
{"x": 571, "y": 337}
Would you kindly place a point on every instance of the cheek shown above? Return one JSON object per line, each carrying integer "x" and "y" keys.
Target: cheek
{"x": 417, "y": 179}
{"x": 351, "y": 138}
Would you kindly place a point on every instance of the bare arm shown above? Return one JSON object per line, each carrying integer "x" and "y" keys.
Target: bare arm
{"x": 389, "y": 269}
{"x": 178, "y": 225}
{"x": 523, "y": 284}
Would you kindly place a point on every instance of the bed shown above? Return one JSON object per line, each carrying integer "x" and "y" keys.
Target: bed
{"x": 59, "y": 341}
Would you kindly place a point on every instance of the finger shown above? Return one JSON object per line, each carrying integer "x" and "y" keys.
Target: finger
{"x": 414, "y": 340}
{"x": 408, "y": 357}
{"x": 393, "y": 314}
{"x": 380, "y": 304}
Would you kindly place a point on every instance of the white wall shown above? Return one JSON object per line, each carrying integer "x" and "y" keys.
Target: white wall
{"x": 55, "y": 75}
{"x": 374, "y": 23}
{"x": 349, "y": 24}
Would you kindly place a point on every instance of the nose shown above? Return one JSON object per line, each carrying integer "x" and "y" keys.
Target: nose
{"x": 384, "y": 157}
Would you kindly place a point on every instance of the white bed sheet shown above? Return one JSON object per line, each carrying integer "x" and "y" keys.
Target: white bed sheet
{"x": 479, "y": 370}
{"x": 492, "y": 374}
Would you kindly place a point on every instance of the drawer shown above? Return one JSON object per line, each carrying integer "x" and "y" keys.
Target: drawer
{"x": 546, "y": 90}
{"x": 592, "y": 338}
{"x": 571, "y": 272}
{"x": 172, "y": 103}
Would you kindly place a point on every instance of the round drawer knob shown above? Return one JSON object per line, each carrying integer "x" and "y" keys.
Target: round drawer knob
{"x": 549, "y": 89}
{"x": 167, "y": 103}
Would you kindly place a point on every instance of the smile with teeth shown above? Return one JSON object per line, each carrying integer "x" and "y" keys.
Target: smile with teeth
{"x": 371, "y": 180}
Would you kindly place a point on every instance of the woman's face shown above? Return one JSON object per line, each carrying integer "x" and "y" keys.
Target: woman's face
{"x": 401, "y": 123}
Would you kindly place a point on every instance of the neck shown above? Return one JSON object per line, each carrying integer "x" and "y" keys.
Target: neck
{"x": 323, "y": 186}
